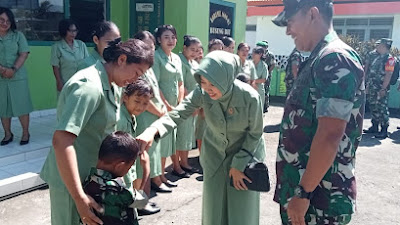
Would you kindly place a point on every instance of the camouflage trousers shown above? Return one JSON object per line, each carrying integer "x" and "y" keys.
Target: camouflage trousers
{"x": 379, "y": 107}
{"x": 317, "y": 217}
{"x": 267, "y": 88}
{"x": 289, "y": 86}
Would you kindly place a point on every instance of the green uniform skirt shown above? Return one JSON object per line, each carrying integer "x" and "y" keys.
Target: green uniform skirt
{"x": 15, "y": 99}
{"x": 185, "y": 135}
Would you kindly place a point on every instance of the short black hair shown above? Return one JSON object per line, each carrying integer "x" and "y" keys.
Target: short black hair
{"x": 136, "y": 51}
{"x": 188, "y": 40}
{"x": 161, "y": 29}
{"x": 140, "y": 87}
{"x": 10, "y": 16}
{"x": 103, "y": 27}
{"x": 118, "y": 146}
{"x": 325, "y": 9}
{"x": 243, "y": 77}
{"x": 227, "y": 41}
{"x": 259, "y": 50}
{"x": 243, "y": 44}
{"x": 213, "y": 42}
{"x": 145, "y": 35}
{"x": 63, "y": 26}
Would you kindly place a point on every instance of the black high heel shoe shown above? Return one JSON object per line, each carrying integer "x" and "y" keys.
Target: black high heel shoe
{"x": 6, "y": 142}
{"x": 26, "y": 141}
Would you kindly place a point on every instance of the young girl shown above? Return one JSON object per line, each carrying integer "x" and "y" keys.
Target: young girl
{"x": 168, "y": 70}
{"x": 233, "y": 113}
{"x": 185, "y": 131}
{"x": 261, "y": 70}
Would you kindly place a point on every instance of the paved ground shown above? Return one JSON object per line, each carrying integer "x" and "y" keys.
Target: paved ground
{"x": 378, "y": 177}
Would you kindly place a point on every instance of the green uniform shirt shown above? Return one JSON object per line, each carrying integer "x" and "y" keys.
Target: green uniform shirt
{"x": 330, "y": 84}
{"x": 91, "y": 60}
{"x": 10, "y": 46}
{"x": 88, "y": 107}
{"x": 188, "y": 70}
{"x": 127, "y": 123}
{"x": 67, "y": 58}
{"x": 262, "y": 73}
{"x": 248, "y": 68}
{"x": 168, "y": 73}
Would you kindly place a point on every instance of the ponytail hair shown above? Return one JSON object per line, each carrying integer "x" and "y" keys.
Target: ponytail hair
{"x": 188, "y": 40}
{"x": 135, "y": 50}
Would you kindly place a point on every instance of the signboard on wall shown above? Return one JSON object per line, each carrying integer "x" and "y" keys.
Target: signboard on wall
{"x": 221, "y": 21}
{"x": 149, "y": 15}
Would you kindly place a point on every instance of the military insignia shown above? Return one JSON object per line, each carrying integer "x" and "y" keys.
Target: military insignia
{"x": 230, "y": 111}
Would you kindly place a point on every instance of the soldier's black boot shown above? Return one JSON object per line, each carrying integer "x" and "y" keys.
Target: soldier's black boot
{"x": 383, "y": 134}
{"x": 372, "y": 130}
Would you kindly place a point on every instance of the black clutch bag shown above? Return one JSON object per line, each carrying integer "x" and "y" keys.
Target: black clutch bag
{"x": 257, "y": 172}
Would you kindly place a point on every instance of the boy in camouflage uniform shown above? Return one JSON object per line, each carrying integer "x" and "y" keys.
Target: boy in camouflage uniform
{"x": 292, "y": 69}
{"x": 378, "y": 79}
{"x": 104, "y": 184}
{"x": 322, "y": 122}
{"x": 269, "y": 59}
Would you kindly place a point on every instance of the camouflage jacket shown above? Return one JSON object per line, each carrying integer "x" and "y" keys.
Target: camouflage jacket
{"x": 377, "y": 70}
{"x": 269, "y": 59}
{"x": 294, "y": 59}
{"x": 330, "y": 84}
{"x": 118, "y": 202}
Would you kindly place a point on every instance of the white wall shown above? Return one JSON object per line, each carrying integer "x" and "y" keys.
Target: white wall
{"x": 281, "y": 44}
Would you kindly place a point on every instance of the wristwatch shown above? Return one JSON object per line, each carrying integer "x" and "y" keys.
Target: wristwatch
{"x": 301, "y": 193}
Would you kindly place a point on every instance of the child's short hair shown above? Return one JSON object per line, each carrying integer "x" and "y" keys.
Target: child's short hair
{"x": 140, "y": 87}
{"x": 243, "y": 77}
{"x": 120, "y": 146}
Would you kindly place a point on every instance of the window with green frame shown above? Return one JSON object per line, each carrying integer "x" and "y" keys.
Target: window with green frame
{"x": 38, "y": 19}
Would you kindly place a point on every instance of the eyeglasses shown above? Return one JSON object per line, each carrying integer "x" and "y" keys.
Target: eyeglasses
{"x": 74, "y": 31}
{"x": 3, "y": 21}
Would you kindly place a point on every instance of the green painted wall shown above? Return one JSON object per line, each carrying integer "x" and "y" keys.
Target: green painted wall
{"x": 197, "y": 20}
{"x": 175, "y": 13}
{"x": 120, "y": 16}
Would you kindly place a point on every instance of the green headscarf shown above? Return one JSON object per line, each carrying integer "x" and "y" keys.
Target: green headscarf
{"x": 220, "y": 68}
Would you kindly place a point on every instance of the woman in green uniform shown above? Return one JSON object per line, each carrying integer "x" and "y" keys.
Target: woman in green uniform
{"x": 67, "y": 53}
{"x": 261, "y": 70}
{"x": 168, "y": 71}
{"x": 233, "y": 113}
{"x": 185, "y": 131}
{"x": 103, "y": 33}
{"x": 88, "y": 110}
{"x": 229, "y": 44}
{"x": 246, "y": 66}
{"x": 15, "y": 99}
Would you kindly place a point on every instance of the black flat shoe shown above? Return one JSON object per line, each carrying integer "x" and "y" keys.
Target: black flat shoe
{"x": 162, "y": 188}
{"x": 6, "y": 142}
{"x": 22, "y": 142}
{"x": 190, "y": 170}
{"x": 148, "y": 210}
{"x": 170, "y": 184}
{"x": 182, "y": 175}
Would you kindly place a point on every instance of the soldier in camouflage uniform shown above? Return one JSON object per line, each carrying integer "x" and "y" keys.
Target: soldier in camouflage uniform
{"x": 105, "y": 185}
{"x": 378, "y": 79}
{"x": 322, "y": 122}
{"x": 292, "y": 69}
{"x": 269, "y": 59}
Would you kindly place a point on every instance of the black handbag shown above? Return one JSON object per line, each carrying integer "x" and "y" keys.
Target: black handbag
{"x": 257, "y": 172}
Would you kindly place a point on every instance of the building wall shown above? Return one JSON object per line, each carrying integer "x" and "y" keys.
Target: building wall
{"x": 281, "y": 44}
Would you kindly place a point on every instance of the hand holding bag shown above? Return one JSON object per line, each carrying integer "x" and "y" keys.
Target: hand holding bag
{"x": 257, "y": 172}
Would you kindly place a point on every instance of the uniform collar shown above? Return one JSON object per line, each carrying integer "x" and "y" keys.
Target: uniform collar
{"x": 97, "y": 56}
{"x": 101, "y": 173}
{"x": 131, "y": 118}
{"x": 332, "y": 36}
{"x": 103, "y": 76}
{"x": 9, "y": 35}
{"x": 162, "y": 54}
{"x": 66, "y": 46}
